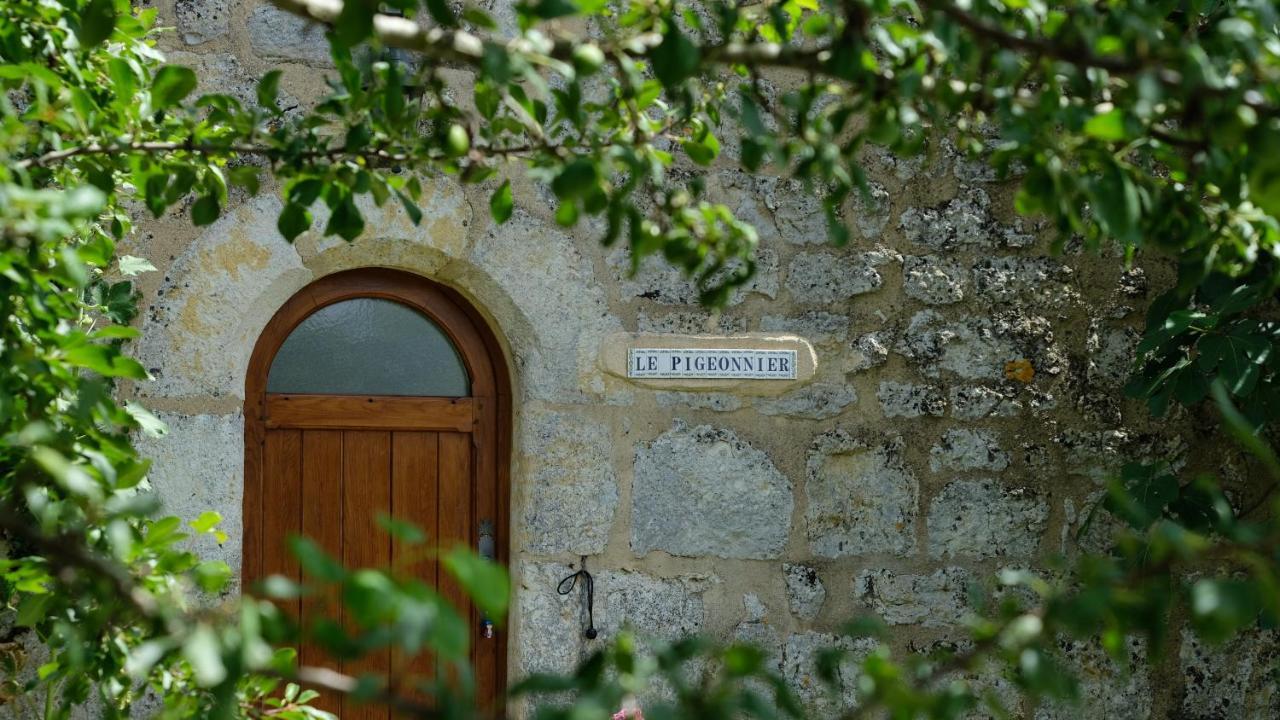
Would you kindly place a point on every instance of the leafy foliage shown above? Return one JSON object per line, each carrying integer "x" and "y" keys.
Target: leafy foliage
{"x": 1127, "y": 126}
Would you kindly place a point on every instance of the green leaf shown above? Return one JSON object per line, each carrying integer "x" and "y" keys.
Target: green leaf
{"x": 576, "y": 179}
{"x": 441, "y": 12}
{"x": 484, "y": 581}
{"x": 401, "y": 530}
{"x": 676, "y": 58}
{"x": 150, "y": 424}
{"x": 172, "y": 83}
{"x": 315, "y": 562}
{"x": 132, "y": 265}
{"x": 355, "y": 22}
{"x": 96, "y": 23}
{"x": 501, "y": 203}
{"x": 105, "y": 360}
{"x": 294, "y": 220}
{"x": 207, "y": 521}
{"x": 212, "y": 575}
{"x": 703, "y": 150}
{"x": 205, "y": 210}
{"x": 346, "y": 220}
{"x": 204, "y": 652}
{"x": 1107, "y": 126}
{"x": 269, "y": 90}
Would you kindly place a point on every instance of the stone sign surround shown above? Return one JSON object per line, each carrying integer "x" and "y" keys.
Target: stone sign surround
{"x": 956, "y": 408}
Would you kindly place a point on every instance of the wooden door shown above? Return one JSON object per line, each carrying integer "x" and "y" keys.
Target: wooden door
{"x": 326, "y": 466}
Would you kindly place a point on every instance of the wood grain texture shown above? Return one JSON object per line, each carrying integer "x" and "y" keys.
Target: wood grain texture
{"x": 414, "y": 499}
{"x": 322, "y": 522}
{"x": 281, "y": 506}
{"x": 371, "y": 412}
{"x": 366, "y": 492}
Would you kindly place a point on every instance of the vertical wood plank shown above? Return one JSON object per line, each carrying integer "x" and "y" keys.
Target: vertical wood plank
{"x": 454, "y": 515}
{"x": 281, "y": 506}
{"x": 366, "y": 492}
{"x": 414, "y": 497}
{"x": 322, "y": 522}
{"x": 485, "y": 490}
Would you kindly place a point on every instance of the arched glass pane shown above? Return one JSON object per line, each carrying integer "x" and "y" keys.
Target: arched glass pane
{"x": 368, "y": 346}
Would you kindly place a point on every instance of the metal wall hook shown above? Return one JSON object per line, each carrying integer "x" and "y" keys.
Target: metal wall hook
{"x": 567, "y": 585}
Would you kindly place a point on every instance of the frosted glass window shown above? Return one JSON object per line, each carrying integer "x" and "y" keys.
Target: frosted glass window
{"x": 368, "y": 346}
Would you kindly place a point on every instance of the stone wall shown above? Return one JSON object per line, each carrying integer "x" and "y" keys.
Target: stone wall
{"x": 966, "y": 408}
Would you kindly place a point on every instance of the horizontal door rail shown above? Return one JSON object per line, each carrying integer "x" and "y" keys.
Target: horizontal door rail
{"x": 374, "y": 412}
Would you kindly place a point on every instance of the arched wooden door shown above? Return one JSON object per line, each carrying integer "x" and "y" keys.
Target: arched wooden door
{"x": 377, "y": 392}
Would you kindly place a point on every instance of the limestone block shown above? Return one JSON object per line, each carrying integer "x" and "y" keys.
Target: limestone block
{"x": 965, "y": 449}
{"x": 562, "y": 313}
{"x": 964, "y": 222}
{"x": 1107, "y": 689}
{"x": 800, "y": 670}
{"x": 1234, "y": 680}
{"x": 974, "y": 402}
{"x": 689, "y": 322}
{"x": 979, "y": 519}
{"x": 979, "y": 348}
{"x": 719, "y": 402}
{"x": 934, "y": 280}
{"x": 687, "y": 496}
{"x": 908, "y": 400}
{"x": 1111, "y": 354}
{"x": 805, "y": 591}
{"x": 663, "y": 608}
{"x": 869, "y": 351}
{"x": 797, "y": 211}
{"x": 939, "y": 599}
{"x": 571, "y": 489}
{"x": 815, "y": 402}
{"x": 548, "y": 626}
{"x": 818, "y": 327}
{"x": 861, "y": 497}
{"x": 823, "y": 278}
{"x": 200, "y": 21}
{"x": 659, "y": 281}
{"x": 216, "y": 298}
{"x": 198, "y": 466}
{"x": 278, "y": 35}
{"x": 871, "y": 214}
{"x": 1038, "y": 281}
{"x": 223, "y": 73}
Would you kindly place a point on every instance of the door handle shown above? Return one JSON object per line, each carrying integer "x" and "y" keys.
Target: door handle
{"x": 486, "y": 548}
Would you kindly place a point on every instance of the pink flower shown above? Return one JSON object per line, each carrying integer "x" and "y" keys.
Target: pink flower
{"x": 628, "y": 714}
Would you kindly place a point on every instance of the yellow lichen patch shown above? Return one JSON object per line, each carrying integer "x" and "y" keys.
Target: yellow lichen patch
{"x": 237, "y": 253}
{"x": 1020, "y": 370}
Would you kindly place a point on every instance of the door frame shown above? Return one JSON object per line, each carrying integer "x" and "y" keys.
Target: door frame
{"x": 490, "y": 399}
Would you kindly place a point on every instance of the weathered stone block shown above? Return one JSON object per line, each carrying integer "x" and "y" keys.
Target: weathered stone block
{"x": 938, "y": 599}
{"x": 1039, "y": 281}
{"x": 200, "y": 21}
{"x": 572, "y": 492}
{"x": 974, "y": 402}
{"x": 817, "y": 327}
{"x": 980, "y": 348}
{"x": 278, "y": 35}
{"x": 980, "y": 519}
{"x": 800, "y": 670}
{"x": 815, "y": 402}
{"x": 933, "y": 280}
{"x": 719, "y": 402}
{"x": 1107, "y": 689}
{"x": 869, "y": 351}
{"x": 871, "y": 215}
{"x": 658, "y": 281}
{"x": 805, "y": 591}
{"x": 687, "y": 496}
{"x": 657, "y": 607}
{"x": 861, "y": 498}
{"x": 1235, "y": 680}
{"x": 548, "y": 626}
{"x": 824, "y": 278}
{"x": 907, "y": 400}
{"x": 689, "y": 322}
{"x": 965, "y": 221}
{"x": 965, "y": 449}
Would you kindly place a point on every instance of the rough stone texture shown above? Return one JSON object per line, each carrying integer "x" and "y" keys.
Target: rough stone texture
{"x": 278, "y": 35}
{"x": 861, "y": 498}
{"x": 223, "y": 73}
{"x": 975, "y": 402}
{"x": 560, "y": 299}
{"x": 1232, "y": 681}
{"x": 548, "y": 629}
{"x": 815, "y": 402}
{"x": 964, "y": 222}
{"x": 818, "y": 327}
{"x": 938, "y": 599}
{"x": 871, "y": 215}
{"x": 978, "y": 519}
{"x": 571, "y": 486}
{"x": 658, "y": 281}
{"x": 200, "y": 21}
{"x": 800, "y": 670}
{"x": 1039, "y": 281}
{"x": 868, "y": 351}
{"x": 687, "y": 496}
{"x": 656, "y": 608}
{"x": 689, "y": 322}
{"x": 1111, "y": 354}
{"x": 979, "y": 348}
{"x": 197, "y": 466}
{"x": 797, "y": 212}
{"x": 1107, "y": 689}
{"x": 906, "y": 400}
{"x": 933, "y": 280}
{"x": 965, "y": 449}
{"x": 805, "y": 591}
{"x": 823, "y": 278}
{"x": 719, "y": 402}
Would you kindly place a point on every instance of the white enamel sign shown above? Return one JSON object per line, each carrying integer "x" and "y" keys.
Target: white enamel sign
{"x": 712, "y": 364}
